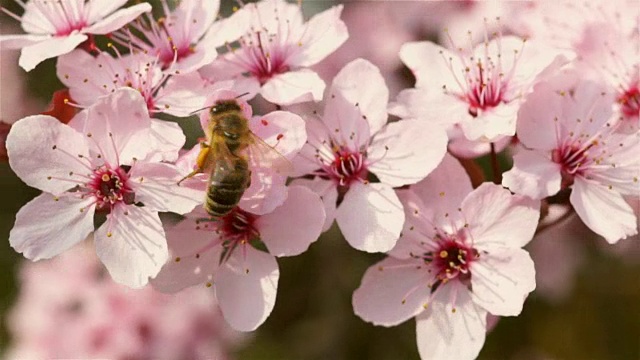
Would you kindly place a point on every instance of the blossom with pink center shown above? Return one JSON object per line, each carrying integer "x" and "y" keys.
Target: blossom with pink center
{"x": 459, "y": 258}
{"x": 55, "y": 27}
{"x": 480, "y": 89}
{"x": 98, "y": 164}
{"x": 571, "y": 141}
{"x": 67, "y": 308}
{"x": 88, "y": 78}
{"x": 222, "y": 254}
{"x": 176, "y": 38}
{"x": 351, "y": 143}
{"x": 277, "y": 48}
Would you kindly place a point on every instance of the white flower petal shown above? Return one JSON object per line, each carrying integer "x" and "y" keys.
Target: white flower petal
{"x": 36, "y": 53}
{"x": 398, "y": 156}
{"x": 293, "y": 226}
{"x": 536, "y": 126}
{"x": 322, "y": 35}
{"x": 156, "y": 186}
{"x": 46, "y": 227}
{"x": 293, "y": 87}
{"x": 604, "y": 211}
{"x": 392, "y": 291}
{"x": 193, "y": 260}
{"x": 360, "y": 82}
{"x": 534, "y": 175}
{"x": 19, "y": 41}
{"x": 45, "y": 154}
{"x": 328, "y": 193}
{"x": 117, "y": 20}
{"x": 182, "y": 95}
{"x": 168, "y": 140}
{"x": 502, "y": 280}
{"x": 119, "y": 125}
{"x": 431, "y": 64}
{"x": 100, "y": 9}
{"x": 246, "y": 288}
{"x": 496, "y": 218}
{"x": 283, "y": 130}
{"x": 444, "y": 334}
{"x": 132, "y": 245}
{"x": 370, "y": 217}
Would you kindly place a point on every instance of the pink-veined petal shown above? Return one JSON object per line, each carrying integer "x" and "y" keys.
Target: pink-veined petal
{"x": 19, "y": 41}
{"x": 246, "y": 288}
{"x": 193, "y": 255}
{"x": 497, "y": 218}
{"x": 293, "y": 87}
{"x": 392, "y": 291}
{"x": 268, "y": 190}
{"x": 323, "y": 34}
{"x": 431, "y": 105}
{"x": 360, "y": 82}
{"x": 370, "y": 217}
{"x": 533, "y": 174}
{"x": 47, "y": 226}
{"x": 537, "y": 126}
{"x": 156, "y": 186}
{"x": 604, "y": 211}
{"x": 431, "y": 64}
{"x": 293, "y": 226}
{"x": 117, "y": 20}
{"x": 491, "y": 125}
{"x": 182, "y": 95}
{"x": 34, "y": 54}
{"x": 444, "y": 334}
{"x": 45, "y": 154}
{"x": 283, "y": 130}
{"x": 132, "y": 245}
{"x": 345, "y": 122}
{"x": 502, "y": 280}
{"x": 417, "y": 226}
{"x": 99, "y": 9}
{"x": 167, "y": 138}
{"x": 328, "y": 193}
{"x": 398, "y": 156}
{"x": 119, "y": 125}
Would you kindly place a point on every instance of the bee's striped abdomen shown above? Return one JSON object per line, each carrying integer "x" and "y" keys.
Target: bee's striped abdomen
{"x": 226, "y": 187}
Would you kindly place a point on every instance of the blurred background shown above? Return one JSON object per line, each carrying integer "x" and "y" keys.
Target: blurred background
{"x": 586, "y": 306}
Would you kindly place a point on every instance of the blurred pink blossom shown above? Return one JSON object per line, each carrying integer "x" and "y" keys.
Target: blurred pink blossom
{"x": 67, "y": 308}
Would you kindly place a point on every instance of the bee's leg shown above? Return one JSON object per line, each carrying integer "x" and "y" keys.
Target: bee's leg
{"x": 200, "y": 161}
{"x": 249, "y": 183}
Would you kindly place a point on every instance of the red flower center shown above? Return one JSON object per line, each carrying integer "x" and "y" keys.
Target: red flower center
{"x": 484, "y": 92}
{"x": 629, "y": 102}
{"x": 110, "y": 186}
{"x": 346, "y": 167}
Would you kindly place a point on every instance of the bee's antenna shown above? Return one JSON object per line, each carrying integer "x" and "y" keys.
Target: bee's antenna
{"x": 196, "y": 111}
{"x": 241, "y": 95}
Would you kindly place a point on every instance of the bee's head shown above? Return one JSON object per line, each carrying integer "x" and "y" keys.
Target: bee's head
{"x": 223, "y": 106}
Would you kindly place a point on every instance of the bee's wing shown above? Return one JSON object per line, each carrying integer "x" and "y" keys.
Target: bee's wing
{"x": 220, "y": 155}
{"x": 266, "y": 156}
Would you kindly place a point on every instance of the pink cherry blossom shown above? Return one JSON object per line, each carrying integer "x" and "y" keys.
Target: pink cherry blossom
{"x": 570, "y": 141}
{"x": 171, "y": 92}
{"x": 99, "y": 163}
{"x": 55, "y": 27}
{"x": 176, "y": 37}
{"x": 221, "y": 254}
{"x": 349, "y": 142}
{"x": 278, "y": 47}
{"x": 480, "y": 89}
{"x": 459, "y": 258}
{"x": 67, "y": 309}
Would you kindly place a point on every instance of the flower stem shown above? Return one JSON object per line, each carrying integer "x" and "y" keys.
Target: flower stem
{"x": 495, "y": 167}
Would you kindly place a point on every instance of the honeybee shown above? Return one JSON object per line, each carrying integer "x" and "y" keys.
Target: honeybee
{"x": 226, "y": 155}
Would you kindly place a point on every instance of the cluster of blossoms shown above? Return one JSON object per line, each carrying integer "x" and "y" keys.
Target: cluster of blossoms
{"x": 568, "y": 112}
